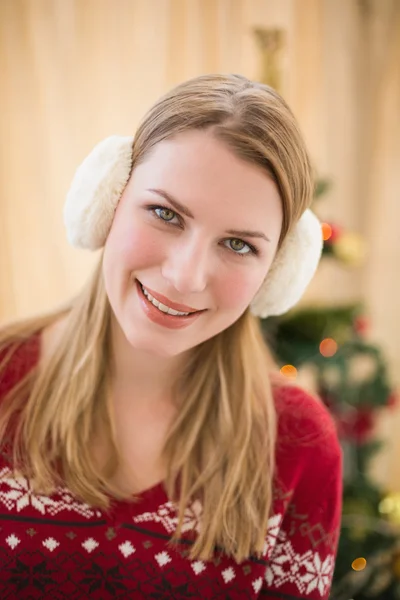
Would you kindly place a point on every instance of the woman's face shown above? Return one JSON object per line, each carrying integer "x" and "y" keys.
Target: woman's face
{"x": 197, "y": 229}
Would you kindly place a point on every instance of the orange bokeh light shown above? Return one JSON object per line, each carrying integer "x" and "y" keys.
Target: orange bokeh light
{"x": 289, "y": 371}
{"x": 326, "y": 231}
{"x": 328, "y": 347}
{"x": 359, "y": 564}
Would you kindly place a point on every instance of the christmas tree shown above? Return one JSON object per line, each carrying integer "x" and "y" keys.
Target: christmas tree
{"x": 349, "y": 373}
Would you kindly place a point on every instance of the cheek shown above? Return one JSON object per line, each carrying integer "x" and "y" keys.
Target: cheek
{"x": 133, "y": 245}
{"x": 237, "y": 289}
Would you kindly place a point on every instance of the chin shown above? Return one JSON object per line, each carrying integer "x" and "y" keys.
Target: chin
{"x": 151, "y": 347}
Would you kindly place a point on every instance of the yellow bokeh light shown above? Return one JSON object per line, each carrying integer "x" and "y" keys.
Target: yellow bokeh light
{"x": 289, "y": 371}
{"x": 326, "y": 231}
{"x": 328, "y": 347}
{"x": 359, "y": 564}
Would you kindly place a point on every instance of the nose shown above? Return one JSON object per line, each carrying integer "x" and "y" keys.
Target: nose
{"x": 187, "y": 266}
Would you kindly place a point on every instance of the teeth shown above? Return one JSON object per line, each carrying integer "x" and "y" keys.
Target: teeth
{"x": 171, "y": 311}
{"x": 162, "y": 307}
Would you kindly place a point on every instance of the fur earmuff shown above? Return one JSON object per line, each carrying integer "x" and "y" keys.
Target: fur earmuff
{"x": 95, "y": 192}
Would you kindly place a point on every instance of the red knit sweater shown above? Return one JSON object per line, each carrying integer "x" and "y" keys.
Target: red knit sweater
{"x": 55, "y": 547}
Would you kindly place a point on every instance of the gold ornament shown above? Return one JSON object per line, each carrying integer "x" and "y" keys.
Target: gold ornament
{"x": 350, "y": 248}
{"x": 389, "y": 508}
{"x": 270, "y": 42}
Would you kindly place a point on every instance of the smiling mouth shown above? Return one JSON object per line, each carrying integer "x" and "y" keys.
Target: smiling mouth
{"x": 164, "y": 308}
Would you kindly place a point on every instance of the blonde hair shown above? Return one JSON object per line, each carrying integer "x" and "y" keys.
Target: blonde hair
{"x": 220, "y": 450}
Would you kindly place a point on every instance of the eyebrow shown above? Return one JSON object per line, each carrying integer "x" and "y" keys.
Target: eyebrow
{"x": 247, "y": 233}
{"x": 184, "y": 210}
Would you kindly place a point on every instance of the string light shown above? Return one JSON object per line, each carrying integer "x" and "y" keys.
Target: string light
{"x": 326, "y": 231}
{"x": 328, "y": 347}
{"x": 359, "y": 564}
{"x": 289, "y": 371}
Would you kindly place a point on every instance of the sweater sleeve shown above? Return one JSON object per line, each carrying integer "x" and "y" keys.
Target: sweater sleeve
{"x": 302, "y": 562}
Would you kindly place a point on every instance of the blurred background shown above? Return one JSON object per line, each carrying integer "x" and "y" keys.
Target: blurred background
{"x": 75, "y": 71}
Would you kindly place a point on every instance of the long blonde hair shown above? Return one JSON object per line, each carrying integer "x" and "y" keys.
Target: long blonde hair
{"x": 220, "y": 450}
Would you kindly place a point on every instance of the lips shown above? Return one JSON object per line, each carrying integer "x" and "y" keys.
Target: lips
{"x": 167, "y": 302}
{"x": 165, "y": 319}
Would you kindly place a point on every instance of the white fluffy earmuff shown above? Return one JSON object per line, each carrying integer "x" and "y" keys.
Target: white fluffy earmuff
{"x": 95, "y": 191}
{"x": 94, "y": 195}
{"x": 292, "y": 269}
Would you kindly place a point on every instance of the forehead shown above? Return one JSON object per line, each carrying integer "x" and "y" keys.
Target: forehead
{"x": 204, "y": 173}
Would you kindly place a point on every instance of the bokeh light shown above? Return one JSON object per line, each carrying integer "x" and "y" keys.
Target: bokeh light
{"x": 359, "y": 564}
{"x": 289, "y": 371}
{"x": 328, "y": 347}
{"x": 326, "y": 231}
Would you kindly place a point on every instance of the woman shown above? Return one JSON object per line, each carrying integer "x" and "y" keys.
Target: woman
{"x": 149, "y": 451}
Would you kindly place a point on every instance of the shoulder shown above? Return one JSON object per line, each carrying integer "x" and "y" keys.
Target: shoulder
{"x": 302, "y": 416}
{"x": 17, "y": 359}
{"x": 20, "y": 355}
{"x": 308, "y": 447}
{"x": 297, "y": 406}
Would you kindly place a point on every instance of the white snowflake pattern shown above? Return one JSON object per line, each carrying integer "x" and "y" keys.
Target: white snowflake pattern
{"x": 127, "y": 549}
{"x": 319, "y": 573}
{"x": 51, "y": 544}
{"x": 306, "y": 571}
{"x": 163, "y": 558}
{"x": 90, "y": 544}
{"x": 274, "y": 528}
{"x": 16, "y": 494}
{"x": 284, "y": 566}
{"x": 167, "y": 516}
{"x": 198, "y": 566}
{"x": 257, "y": 585}
{"x": 12, "y": 541}
{"x": 228, "y": 574}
